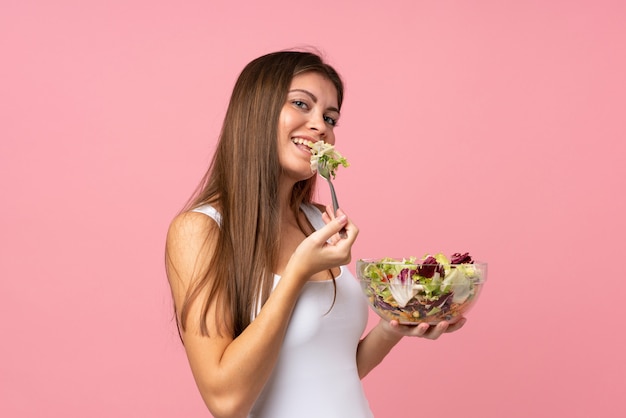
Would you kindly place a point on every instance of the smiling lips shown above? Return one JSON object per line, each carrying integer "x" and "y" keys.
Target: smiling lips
{"x": 305, "y": 142}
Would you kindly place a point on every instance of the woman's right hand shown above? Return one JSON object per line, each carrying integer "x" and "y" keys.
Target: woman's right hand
{"x": 325, "y": 249}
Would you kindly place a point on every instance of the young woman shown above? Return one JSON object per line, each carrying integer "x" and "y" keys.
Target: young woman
{"x": 270, "y": 317}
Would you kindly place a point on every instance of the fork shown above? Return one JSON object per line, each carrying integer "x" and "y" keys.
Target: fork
{"x": 324, "y": 171}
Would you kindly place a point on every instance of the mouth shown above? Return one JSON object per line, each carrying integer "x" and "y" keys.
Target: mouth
{"x": 303, "y": 144}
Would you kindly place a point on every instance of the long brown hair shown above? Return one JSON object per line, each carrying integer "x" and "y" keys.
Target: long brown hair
{"x": 242, "y": 180}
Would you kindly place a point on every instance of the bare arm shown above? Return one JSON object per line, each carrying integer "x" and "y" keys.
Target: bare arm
{"x": 385, "y": 335}
{"x": 230, "y": 373}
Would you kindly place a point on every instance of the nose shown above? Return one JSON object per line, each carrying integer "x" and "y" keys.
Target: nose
{"x": 318, "y": 124}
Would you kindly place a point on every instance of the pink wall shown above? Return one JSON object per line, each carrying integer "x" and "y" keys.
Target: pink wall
{"x": 495, "y": 127}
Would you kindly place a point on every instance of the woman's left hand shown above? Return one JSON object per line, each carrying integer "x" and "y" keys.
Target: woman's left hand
{"x": 431, "y": 332}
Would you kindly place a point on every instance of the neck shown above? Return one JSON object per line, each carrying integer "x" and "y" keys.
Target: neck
{"x": 284, "y": 196}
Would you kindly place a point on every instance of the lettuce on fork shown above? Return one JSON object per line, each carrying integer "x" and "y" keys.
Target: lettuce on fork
{"x": 324, "y": 153}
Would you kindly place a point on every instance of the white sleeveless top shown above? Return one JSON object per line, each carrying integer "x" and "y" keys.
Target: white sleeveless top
{"x": 316, "y": 375}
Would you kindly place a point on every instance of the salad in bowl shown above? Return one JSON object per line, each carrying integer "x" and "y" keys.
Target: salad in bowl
{"x": 432, "y": 289}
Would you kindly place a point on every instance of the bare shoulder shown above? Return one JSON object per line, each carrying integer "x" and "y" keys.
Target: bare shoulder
{"x": 190, "y": 226}
{"x": 190, "y": 245}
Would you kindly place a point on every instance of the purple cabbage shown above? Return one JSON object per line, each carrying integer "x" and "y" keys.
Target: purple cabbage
{"x": 458, "y": 258}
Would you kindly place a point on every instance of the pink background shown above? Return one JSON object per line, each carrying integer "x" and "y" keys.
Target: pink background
{"x": 495, "y": 127}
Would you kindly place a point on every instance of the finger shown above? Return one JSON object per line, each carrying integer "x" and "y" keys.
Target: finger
{"x": 430, "y": 332}
{"x": 343, "y": 234}
{"x": 438, "y": 330}
{"x": 340, "y": 213}
{"x": 419, "y": 330}
{"x": 422, "y": 330}
{"x": 332, "y": 228}
{"x": 457, "y": 325}
{"x": 329, "y": 214}
{"x": 330, "y": 211}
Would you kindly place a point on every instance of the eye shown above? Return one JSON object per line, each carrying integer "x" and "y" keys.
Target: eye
{"x": 330, "y": 121}
{"x": 300, "y": 104}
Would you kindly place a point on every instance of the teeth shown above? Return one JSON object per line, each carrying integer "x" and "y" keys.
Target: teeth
{"x": 303, "y": 142}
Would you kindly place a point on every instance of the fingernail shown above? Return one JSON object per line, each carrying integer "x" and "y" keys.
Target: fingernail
{"x": 342, "y": 219}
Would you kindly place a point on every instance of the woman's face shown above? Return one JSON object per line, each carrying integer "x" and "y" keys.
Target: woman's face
{"x": 309, "y": 114}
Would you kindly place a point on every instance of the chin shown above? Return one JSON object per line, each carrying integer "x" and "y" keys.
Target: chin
{"x": 298, "y": 175}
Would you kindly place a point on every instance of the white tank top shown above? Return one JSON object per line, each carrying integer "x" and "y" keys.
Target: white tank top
{"x": 316, "y": 375}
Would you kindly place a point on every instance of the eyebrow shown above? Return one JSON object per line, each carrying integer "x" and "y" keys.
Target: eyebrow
{"x": 313, "y": 97}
